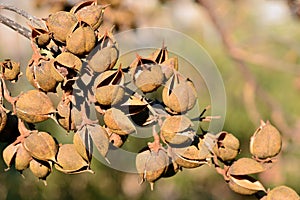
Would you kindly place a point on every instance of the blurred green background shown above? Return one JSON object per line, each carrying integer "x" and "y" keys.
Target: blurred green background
{"x": 267, "y": 30}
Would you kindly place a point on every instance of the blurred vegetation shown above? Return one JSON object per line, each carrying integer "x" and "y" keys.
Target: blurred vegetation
{"x": 267, "y": 30}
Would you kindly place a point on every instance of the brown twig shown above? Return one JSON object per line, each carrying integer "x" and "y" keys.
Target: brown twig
{"x": 238, "y": 56}
{"x": 16, "y": 27}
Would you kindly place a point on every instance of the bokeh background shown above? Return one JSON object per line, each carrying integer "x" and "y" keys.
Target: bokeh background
{"x": 254, "y": 43}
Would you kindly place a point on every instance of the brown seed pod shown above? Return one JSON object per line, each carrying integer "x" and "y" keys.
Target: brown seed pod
{"x": 10, "y": 70}
{"x": 9, "y": 153}
{"x": 227, "y": 146}
{"x": 118, "y": 122}
{"x": 40, "y": 169}
{"x": 89, "y": 12}
{"x": 282, "y": 192}
{"x": 99, "y": 137}
{"x": 3, "y": 119}
{"x": 40, "y": 76}
{"x": 177, "y": 130}
{"x": 60, "y": 23}
{"x": 40, "y": 36}
{"x": 160, "y": 55}
{"x": 179, "y": 94}
{"x": 105, "y": 55}
{"x": 265, "y": 142}
{"x": 192, "y": 156}
{"x": 80, "y": 141}
{"x": 34, "y": 106}
{"x": 81, "y": 40}
{"x": 169, "y": 66}
{"x": 69, "y": 160}
{"x": 110, "y": 88}
{"x": 66, "y": 65}
{"x": 245, "y": 166}
{"x": 151, "y": 165}
{"x": 245, "y": 185}
{"x": 22, "y": 159}
{"x": 41, "y": 145}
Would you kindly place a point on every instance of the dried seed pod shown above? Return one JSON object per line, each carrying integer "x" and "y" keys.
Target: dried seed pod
{"x": 80, "y": 141}
{"x": 177, "y": 130}
{"x": 160, "y": 55}
{"x": 81, "y": 40}
{"x": 169, "y": 66}
{"x": 9, "y": 154}
{"x": 118, "y": 122}
{"x": 105, "y": 55}
{"x": 10, "y": 70}
{"x": 192, "y": 156}
{"x": 227, "y": 146}
{"x": 69, "y": 160}
{"x": 282, "y": 192}
{"x": 89, "y": 12}
{"x": 60, "y": 23}
{"x": 99, "y": 137}
{"x": 265, "y": 142}
{"x": 245, "y": 166}
{"x": 179, "y": 94}
{"x": 40, "y": 36}
{"x": 245, "y": 185}
{"x": 66, "y": 65}
{"x": 40, "y": 76}
{"x": 109, "y": 88}
{"x": 3, "y": 119}
{"x": 41, "y": 145}
{"x": 34, "y": 106}
{"x": 22, "y": 159}
{"x": 151, "y": 165}
{"x": 40, "y": 169}
{"x": 117, "y": 140}
{"x": 146, "y": 74}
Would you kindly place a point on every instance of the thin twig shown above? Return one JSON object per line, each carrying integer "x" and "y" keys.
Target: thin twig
{"x": 16, "y": 27}
{"x": 33, "y": 19}
{"x": 234, "y": 52}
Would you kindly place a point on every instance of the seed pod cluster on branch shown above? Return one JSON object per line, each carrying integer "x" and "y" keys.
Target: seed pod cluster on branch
{"x": 72, "y": 46}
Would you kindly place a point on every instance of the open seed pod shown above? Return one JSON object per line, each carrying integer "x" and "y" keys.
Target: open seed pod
{"x": 40, "y": 169}
{"x": 34, "y": 106}
{"x": 105, "y": 55}
{"x": 70, "y": 161}
{"x": 81, "y": 40}
{"x": 245, "y": 166}
{"x": 159, "y": 55}
{"x": 22, "y": 159}
{"x": 3, "y": 119}
{"x": 169, "y": 66}
{"x": 151, "y": 165}
{"x": 66, "y": 65}
{"x": 10, "y": 70}
{"x": 81, "y": 142}
{"x": 9, "y": 154}
{"x": 89, "y": 12}
{"x": 60, "y": 23}
{"x": 40, "y": 76}
{"x": 177, "y": 130}
{"x": 282, "y": 192}
{"x": 146, "y": 74}
{"x": 40, "y": 36}
{"x": 179, "y": 94}
{"x": 41, "y": 145}
{"x": 99, "y": 138}
{"x": 192, "y": 156}
{"x": 110, "y": 87}
{"x": 118, "y": 122}
{"x": 245, "y": 185}
{"x": 227, "y": 146}
{"x": 265, "y": 142}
